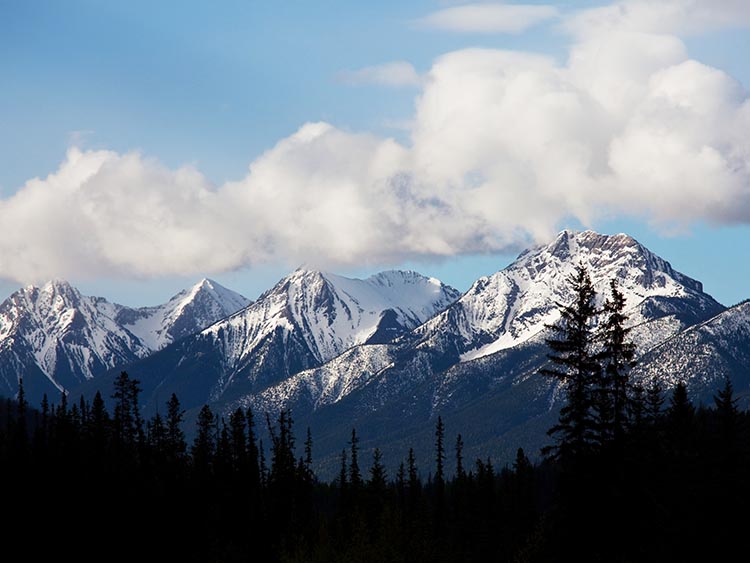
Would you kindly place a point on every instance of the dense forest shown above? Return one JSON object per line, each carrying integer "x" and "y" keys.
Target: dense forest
{"x": 631, "y": 474}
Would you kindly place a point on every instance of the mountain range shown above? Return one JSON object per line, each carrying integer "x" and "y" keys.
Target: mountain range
{"x": 386, "y": 355}
{"x": 56, "y": 338}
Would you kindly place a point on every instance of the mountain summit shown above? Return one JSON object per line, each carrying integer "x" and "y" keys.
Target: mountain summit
{"x": 308, "y": 318}
{"x": 56, "y": 338}
{"x": 476, "y": 363}
{"x": 513, "y": 305}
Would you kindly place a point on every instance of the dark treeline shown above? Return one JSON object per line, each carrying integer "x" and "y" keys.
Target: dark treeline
{"x": 631, "y": 475}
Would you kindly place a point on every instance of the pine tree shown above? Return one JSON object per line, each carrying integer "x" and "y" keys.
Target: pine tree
{"x": 98, "y": 427}
{"x": 439, "y": 481}
{"x": 617, "y": 357}
{"x": 636, "y": 407}
{"x": 439, "y": 451}
{"x": 414, "y": 485}
{"x": 253, "y": 455}
{"x": 401, "y": 484}
{"x": 728, "y": 415}
{"x": 355, "y": 475}
{"x": 223, "y": 462}
{"x": 575, "y": 366}
{"x": 654, "y": 401}
{"x": 175, "y": 445}
{"x": 157, "y": 434}
{"x": 460, "y": 473}
{"x": 238, "y": 426}
{"x": 128, "y": 424}
{"x": 262, "y": 468}
{"x": 681, "y": 419}
{"x": 378, "y": 477}
{"x": 22, "y": 407}
{"x": 308, "y": 453}
{"x": 342, "y": 480}
{"x": 204, "y": 446}
{"x": 283, "y": 463}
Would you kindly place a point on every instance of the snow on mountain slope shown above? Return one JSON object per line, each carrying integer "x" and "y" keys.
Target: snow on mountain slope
{"x": 704, "y": 355}
{"x": 332, "y": 313}
{"x": 306, "y": 319}
{"x": 65, "y": 335}
{"x": 186, "y": 313}
{"x": 507, "y": 308}
{"x": 504, "y": 311}
{"x": 314, "y": 388}
{"x": 57, "y": 338}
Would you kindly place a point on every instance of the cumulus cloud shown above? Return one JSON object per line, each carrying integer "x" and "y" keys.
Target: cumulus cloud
{"x": 489, "y": 18}
{"x": 504, "y": 147}
{"x": 395, "y": 74}
{"x": 666, "y": 16}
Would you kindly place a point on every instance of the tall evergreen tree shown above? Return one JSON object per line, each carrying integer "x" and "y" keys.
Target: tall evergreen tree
{"x": 128, "y": 424}
{"x": 378, "y": 476}
{"x": 414, "y": 485}
{"x": 238, "y": 430}
{"x": 343, "y": 469}
{"x": 308, "y": 452}
{"x": 654, "y": 401}
{"x": 728, "y": 415}
{"x": 355, "y": 475}
{"x": 636, "y": 407}
{"x": 460, "y": 472}
{"x": 575, "y": 366}
{"x": 617, "y": 357}
{"x": 253, "y": 456}
{"x": 175, "y": 444}
{"x": 204, "y": 445}
{"x": 680, "y": 419}
{"x": 439, "y": 481}
{"x": 283, "y": 461}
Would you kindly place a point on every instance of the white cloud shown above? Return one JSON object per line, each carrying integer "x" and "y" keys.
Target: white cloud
{"x": 490, "y": 17}
{"x": 394, "y": 74}
{"x": 665, "y": 16}
{"x": 504, "y": 146}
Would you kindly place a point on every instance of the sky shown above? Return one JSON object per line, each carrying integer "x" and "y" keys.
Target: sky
{"x": 146, "y": 145}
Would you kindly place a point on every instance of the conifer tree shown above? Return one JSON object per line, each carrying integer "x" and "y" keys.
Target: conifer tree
{"x": 98, "y": 425}
{"x": 342, "y": 480}
{"x": 460, "y": 473}
{"x": 308, "y": 452}
{"x": 378, "y": 477}
{"x": 157, "y": 434}
{"x": 575, "y": 366}
{"x": 262, "y": 467}
{"x": 283, "y": 463}
{"x": 728, "y": 415}
{"x": 654, "y": 401}
{"x": 414, "y": 485}
{"x": 176, "y": 447}
{"x": 617, "y": 356}
{"x": 439, "y": 452}
{"x": 401, "y": 484}
{"x": 128, "y": 424}
{"x": 204, "y": 446}
{"x": 253, "y": 454}
{"x": 680, "y": 418}
{"x": 439, "y": 481}
{"x": 355, "y": 475}
{"x": 636, "y": 407}
{"x": 238, "y": 426}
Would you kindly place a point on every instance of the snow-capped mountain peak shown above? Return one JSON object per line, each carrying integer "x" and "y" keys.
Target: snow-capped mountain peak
{"x": 55, "y": 337}
{"x": 514, "y": 304}
{"x": 332, "y": 313}
{"x": 186, "y": 313}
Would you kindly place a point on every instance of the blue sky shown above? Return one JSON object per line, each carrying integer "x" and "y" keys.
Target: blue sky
{"x": 213, "y": 87}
